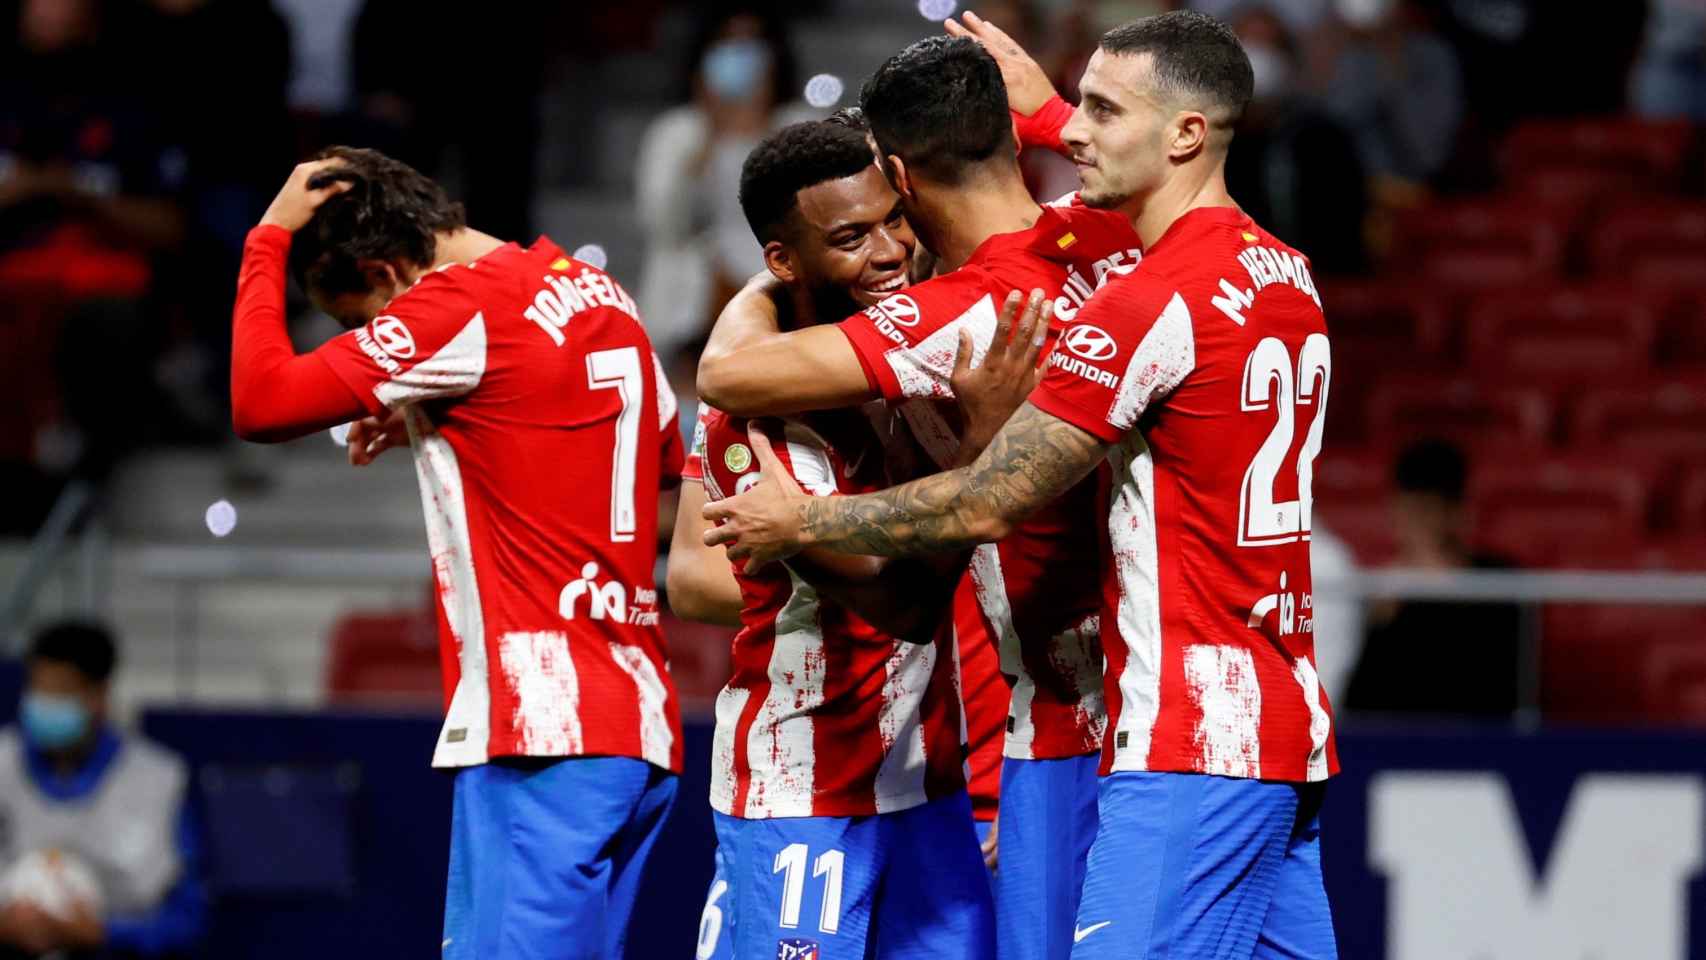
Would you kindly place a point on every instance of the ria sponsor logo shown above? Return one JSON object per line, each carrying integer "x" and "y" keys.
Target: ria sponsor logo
{"x": 1094, "y": 374}
{"x": 607, "y": 601}
{"x": 1090, "y": 342}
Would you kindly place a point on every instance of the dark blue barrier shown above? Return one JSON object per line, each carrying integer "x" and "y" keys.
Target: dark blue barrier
{"x": 1458, "y": 844}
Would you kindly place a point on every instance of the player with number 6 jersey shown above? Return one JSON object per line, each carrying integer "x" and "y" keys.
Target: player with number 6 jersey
{"x": 542, "y": 427}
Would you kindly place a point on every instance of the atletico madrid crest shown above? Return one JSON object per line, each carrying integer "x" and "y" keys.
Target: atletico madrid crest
{"x": 797, "y": 948}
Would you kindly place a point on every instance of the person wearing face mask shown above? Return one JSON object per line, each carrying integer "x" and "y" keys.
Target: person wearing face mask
{"x": 699, "y": 249}
{"x": 98, "y": 850}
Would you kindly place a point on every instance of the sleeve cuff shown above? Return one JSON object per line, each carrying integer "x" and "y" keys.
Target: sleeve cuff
{"x": 869, "y": 346}
{"x": 270, "y": 235}
{"x": 1042, "y": 129}
{"x": 1061, "y": 408}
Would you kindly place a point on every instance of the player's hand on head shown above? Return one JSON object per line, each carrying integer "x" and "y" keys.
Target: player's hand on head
{"x": 763, "y": 524}
{"x": 303, "y": 193}
{"x": 1028, "y": 87}
{"x": 989, "y": 392}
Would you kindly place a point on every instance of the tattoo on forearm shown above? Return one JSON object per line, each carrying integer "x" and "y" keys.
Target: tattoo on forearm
{"x": 1034, "y": 459}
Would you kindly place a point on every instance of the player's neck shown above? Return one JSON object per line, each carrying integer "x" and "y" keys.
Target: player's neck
{"x": 463, "y": 246}
{"x": 965, "y": 216}
{"x": 1187, "y": 190}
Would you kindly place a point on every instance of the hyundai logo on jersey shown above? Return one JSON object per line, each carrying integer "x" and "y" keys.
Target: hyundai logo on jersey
{"x": 1090, "y": 342}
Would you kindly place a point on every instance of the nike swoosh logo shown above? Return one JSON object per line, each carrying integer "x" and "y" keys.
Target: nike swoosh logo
{"x": 852, "y": 468}
{"x": 1079, "y": 933}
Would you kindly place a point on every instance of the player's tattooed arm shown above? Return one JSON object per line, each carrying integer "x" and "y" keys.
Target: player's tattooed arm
{"x": 1033, "y": 460}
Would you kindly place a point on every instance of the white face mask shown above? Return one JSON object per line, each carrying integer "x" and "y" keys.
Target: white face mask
{"x": 1363, "y": 14}
{"x": 1272, "y": 71}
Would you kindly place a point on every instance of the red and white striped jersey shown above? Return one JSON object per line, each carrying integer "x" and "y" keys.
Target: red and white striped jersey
{"x": 1209, "y": 369}
{"x": 825, "y": 715}
{"x": 1036, "y": 590}
{"x": 542, "y": 427}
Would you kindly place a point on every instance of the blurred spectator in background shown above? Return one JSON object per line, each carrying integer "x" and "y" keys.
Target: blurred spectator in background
{"x": 89, "y": 189}
{"x": 1437, "y": 657}
{"x": 222, "y": 103}
{"x": 1338, "y": 614}
{"x": 97, "y": 846}
{"x": 448, "y": 121}
{"x": 699, "y": 248}
{"x": 1296, "y": 170}
{"x": 1669, "y": 80}
{"x": 1398, "y": 86}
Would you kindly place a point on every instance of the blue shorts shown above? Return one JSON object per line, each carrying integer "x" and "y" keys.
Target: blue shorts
{"x": 545, "y": 856}
{"x": 1205, "y": 867}
{"x": 909, "y": 884}
{"x": 1048, "y": 820}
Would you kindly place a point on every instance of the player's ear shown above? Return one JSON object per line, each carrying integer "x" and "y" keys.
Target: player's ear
{"x": 899, "y": 178}
{"x": 779, "y": 259}
{"x": 1188, "y": 134}
{"x": 382, "y": 276}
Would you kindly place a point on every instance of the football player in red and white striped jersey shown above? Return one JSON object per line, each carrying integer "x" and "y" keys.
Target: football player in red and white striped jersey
{"x": 1202, "y": 379}
{"x": 542, "y": 429}
{"x": 839, "y": 734}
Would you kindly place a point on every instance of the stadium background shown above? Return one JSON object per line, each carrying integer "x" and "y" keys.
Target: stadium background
{"x": 1506, "y": 203}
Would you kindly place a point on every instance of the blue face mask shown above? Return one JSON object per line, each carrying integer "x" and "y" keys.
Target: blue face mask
{"x": 734, "y": 69}
{"x": 51, "y": 722}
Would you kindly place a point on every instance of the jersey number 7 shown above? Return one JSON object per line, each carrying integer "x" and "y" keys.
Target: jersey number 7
{"x": 620, "y": 370}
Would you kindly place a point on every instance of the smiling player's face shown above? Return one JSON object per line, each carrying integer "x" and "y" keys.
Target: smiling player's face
{"x": 851, "y": 238}
{"x": 1117, "y": 134}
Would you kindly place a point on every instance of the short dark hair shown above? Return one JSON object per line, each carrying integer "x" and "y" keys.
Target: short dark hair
{"x": 390, "y": 212}
{"x": 1432, "y": 467}
{"x": 852, "y": 118}
{"x": 941, "y": 106}
{"x": 793, "y": 158}
{"x": 1194, "y": 54}
{"x": 83, "y": 644}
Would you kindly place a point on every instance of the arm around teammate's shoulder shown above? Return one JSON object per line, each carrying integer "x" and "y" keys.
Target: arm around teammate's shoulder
{"x": 810, "y": 369}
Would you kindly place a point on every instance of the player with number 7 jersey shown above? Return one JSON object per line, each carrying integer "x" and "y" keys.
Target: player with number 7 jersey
{"x": 542, "y": 428}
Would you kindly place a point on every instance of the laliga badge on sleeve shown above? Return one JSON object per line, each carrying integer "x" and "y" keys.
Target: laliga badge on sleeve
{"x": 737, "y": 457}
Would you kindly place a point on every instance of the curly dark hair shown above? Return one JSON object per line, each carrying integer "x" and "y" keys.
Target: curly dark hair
{"x": 793, "y": 158}
{"x": 85, "y": 645}
{"x": 941, "y": 106}
{"x": 1195, "y": 56}
{"x": 390, "y": 212}
{"x": 852, "y": 118}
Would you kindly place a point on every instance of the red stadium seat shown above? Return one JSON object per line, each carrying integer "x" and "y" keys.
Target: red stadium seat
{"x": 1469, "y": 412}
{"x": 1482, "y": 245}
{"x": 1579, "y": 187}
{"x": 1566, "y": 333}
{"x": 1618, "y": 663}
{"x": 1381, "y": 314}
{"x": 1352, "y": 495}
{"x": 1657, "y": 238}
{"x": 1666, "y": 419}
{"x": 1675, "y": 667}
{"x": 1535, "y": 510}
{"x": 1653, "y": 150}
{"x": 1364, "y": 525}
{"x": 1691, "y": 500}
{"x": 389, "y": 657}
